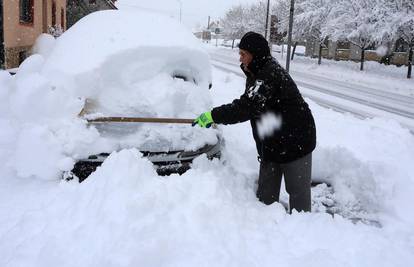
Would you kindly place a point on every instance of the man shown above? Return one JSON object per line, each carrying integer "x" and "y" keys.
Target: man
{"x": 285, "y": 147}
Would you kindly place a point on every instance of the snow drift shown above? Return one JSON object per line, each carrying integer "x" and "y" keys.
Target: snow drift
{"x": 126, "y": 215}
{"x": 126, "y": 68}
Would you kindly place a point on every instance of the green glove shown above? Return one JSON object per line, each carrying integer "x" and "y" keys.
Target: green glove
{"x": 204, "y": 120}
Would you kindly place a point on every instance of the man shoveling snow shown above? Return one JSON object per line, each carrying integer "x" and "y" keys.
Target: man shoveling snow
{"x": 282, "y": 124}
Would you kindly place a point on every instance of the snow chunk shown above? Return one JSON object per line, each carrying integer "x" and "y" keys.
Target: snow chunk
{"x": 30, "y": 65}
{"x": 37, "y": 154}
{"x": 268, "y": 123}
{"x": 124, "y": 168}
{"x": 381, "y": 50}
{"x": 44, "y": 45}
{"x": 6, "y": 85}
{"x": 38, "y": 95}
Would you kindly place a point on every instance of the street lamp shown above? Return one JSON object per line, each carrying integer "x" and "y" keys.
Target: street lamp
{"x": 181, "y": 6}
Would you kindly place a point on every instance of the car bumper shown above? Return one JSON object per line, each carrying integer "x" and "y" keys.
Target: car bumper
{"x": 165, "y": 163}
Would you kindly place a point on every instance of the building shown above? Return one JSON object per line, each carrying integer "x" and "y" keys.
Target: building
{"x": 214, "y": 31}
{"x": 77, "y": 9}
{"x": 398, "y": 54}
{"x": 22, "y": 21}
{"x": 214, "y": 27}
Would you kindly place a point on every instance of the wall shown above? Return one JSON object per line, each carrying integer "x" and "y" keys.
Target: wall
{"x": 18, "y": 34}
{"x": 332, "y": 47}
{"x": 353, "y": 53}
{"x": 20, "y": 37}
{"x": 48, "y": 17}
{"x": 1, "y": 36}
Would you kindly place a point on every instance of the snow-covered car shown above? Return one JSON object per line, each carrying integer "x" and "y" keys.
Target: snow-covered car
{"x": 139, "y": 64}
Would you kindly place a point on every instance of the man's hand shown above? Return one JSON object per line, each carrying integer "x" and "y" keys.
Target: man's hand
{"x": 204, "y": 120}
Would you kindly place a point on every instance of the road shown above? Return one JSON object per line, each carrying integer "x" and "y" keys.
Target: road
{"x": 359, "y": 100}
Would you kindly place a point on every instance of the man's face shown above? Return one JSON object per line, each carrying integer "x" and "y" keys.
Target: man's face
{"x": 245, "y": 57}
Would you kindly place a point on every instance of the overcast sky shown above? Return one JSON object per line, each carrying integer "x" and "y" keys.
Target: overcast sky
{"x": 193, "y": 11}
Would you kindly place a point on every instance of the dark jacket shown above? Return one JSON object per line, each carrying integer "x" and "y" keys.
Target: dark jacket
{"x": 270, "y": 89}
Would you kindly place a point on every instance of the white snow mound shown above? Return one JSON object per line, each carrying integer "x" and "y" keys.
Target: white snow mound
{"x": 106, "y": 33}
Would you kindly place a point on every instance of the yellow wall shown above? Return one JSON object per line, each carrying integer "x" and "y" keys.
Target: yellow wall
{"x": 17, "y": 34}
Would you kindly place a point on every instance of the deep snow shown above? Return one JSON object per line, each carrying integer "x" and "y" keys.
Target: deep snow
{"x": 126, "y": 215}
{"x": 125, "y": 74}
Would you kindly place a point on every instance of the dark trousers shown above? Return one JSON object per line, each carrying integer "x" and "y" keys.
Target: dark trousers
{"x": 297, "y": 176}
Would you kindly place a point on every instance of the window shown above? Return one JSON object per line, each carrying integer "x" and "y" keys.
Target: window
{"x": 53, "y": 13}
{"x": 26, "y": 11}
{"x": 371, "y": 47}
{"x": 401, "y": 46}
{"x": 343, "y": 45}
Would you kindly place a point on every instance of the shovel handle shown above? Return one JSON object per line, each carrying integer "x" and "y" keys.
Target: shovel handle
{"x": 136, "y": 119}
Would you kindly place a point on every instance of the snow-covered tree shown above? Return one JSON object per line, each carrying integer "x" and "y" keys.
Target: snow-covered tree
{"x": 234, "y": 23}
{"x": 312, "y": 21}
{"x": 256, "y": 17}
{"x": 400, "y": 25}
{"x": 356, "y": 21}
{"x": 406, "y": 33}
{"x": 55, "y": 31}
{"x": 281, "y": 8}
{"x": 243, "y": 18}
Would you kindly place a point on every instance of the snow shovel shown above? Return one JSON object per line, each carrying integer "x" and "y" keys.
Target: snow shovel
{"x": 142, "y": 120}
{"x": 90, "y": 104}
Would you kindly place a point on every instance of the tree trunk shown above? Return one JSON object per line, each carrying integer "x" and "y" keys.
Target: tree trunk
{"x": 232, "y": 44}
{"x": 294, "y": 50}
{"x": 320, "y": 54}
{"x": 410, "y": 62}
{"x": 362, "y": 58}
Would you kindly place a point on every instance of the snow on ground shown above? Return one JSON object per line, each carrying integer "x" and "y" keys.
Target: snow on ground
{"x": 126, "y": 215}
{"x": 375, "y": 75}
{"x": 388, "y": 78}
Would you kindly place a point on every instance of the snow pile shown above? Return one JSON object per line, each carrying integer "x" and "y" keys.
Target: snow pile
{"x": 33, "y": 110}
{"x": 126, "y": 215}
{"x": 127, "y": 64}
{"x": 358, "y": 158}
{"x": 106, "y": 33}
{"x": 44, "y": 45}
{"x": 160, "y": 71}
{"x": 367, "y": 161}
